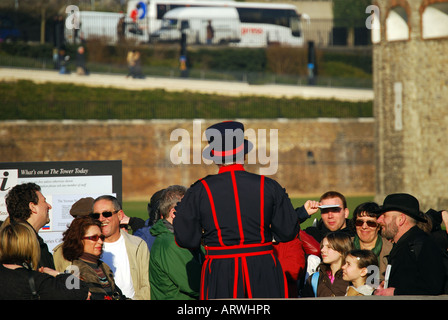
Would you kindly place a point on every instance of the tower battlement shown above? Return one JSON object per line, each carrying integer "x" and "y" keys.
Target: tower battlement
{"x": 410, "y": 46}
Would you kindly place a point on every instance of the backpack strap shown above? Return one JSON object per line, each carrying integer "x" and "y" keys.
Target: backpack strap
{"x": 314, "y": 281}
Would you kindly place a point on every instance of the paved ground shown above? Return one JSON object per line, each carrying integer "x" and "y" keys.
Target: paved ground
{"x": 192, "y": 85}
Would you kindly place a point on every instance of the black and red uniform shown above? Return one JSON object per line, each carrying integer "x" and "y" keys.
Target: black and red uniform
{"x": 235, "y": 215}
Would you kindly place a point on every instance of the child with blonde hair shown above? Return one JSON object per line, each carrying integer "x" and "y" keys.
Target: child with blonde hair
{"x": 356, "y": 270}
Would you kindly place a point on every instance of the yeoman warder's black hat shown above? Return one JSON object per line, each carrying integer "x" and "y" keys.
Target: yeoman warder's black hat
{"x": 226, "y": 142}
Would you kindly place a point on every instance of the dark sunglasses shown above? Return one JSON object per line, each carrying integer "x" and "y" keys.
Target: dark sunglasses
{"x": 371, "y": 224}
{"x": 95, "y": 237}
{"x": 327, "y": 210}
{"x": 106, "y": 214}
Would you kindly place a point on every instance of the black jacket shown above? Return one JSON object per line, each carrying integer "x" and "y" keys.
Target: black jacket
{"x": 15, "y": 285}
{"x": 237, "y": 209}
{"x": 319, "y": 231}
{"x": 237, "y": 214}
{"x": 46, "y": 258}
{"x": 417, "y": 265}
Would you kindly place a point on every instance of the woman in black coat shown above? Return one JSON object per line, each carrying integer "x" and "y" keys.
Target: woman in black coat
{"x": 19, "y": 277}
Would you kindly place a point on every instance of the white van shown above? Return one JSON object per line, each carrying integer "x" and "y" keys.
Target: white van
{"x": 195, "y": 21}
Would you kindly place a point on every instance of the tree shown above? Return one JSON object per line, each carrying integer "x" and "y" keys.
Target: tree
{"x": 42, "y": 9}
{"x": 350, "y": 14}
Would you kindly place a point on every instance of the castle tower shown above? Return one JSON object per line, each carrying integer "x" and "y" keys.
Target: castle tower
{"x": 410, "y": 57}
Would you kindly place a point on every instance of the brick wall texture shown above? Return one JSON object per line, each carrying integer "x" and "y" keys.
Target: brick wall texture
{"x": 314, "y": 156}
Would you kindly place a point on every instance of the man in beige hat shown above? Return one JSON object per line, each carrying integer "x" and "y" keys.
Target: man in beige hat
{"x": 82, "y": 207}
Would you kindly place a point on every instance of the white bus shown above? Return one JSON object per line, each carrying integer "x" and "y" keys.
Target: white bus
{"x": 201, "y": 25}
{"x": 260, "y": 23}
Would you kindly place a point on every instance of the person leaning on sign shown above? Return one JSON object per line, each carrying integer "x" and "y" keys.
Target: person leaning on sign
{"x": 26, "y": 203}
{"x": 236, "y": 214}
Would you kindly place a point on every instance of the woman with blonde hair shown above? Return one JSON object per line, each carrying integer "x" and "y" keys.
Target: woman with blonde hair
{"x": 327, "y": 280}
{"x": 19, "y": 277}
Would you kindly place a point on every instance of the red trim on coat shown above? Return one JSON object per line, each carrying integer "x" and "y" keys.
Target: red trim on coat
{"x": 262, "y": 209}
{"x": 235, "y": 280}
{"x": 239, "y": 255}
{"x": 212, "y": 204}
{"x": 239, "y": 246}
{"x": 231, "y": 167}
{"x": 237, "y": 206}
{"x": 245, "y": 271}
{"x": 204, "y": 267}
{"x": 246, "y": 279}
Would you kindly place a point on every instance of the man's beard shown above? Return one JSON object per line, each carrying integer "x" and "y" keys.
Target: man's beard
{"x": 390, "y": 230}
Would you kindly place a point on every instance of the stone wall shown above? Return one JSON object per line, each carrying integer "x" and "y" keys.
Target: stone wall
{"x": 411, "y": 110}
{"x": 313, "y": 155}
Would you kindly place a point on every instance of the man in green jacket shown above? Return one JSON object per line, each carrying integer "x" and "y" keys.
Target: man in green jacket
{"x": 174, "y": 272}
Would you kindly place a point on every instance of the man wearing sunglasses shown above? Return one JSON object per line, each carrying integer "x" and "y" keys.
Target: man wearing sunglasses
{"x": 127, "y": 255}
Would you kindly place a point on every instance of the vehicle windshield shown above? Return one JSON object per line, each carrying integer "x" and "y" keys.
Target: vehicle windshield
{"x": 295, "y": 25}
{"x": 169, "y": 24}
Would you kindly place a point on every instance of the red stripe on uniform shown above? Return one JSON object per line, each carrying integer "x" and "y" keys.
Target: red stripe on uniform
{"x": 235, "y": 280}
{"x": 262, "y": 209}
{"x": 212, "y": 204}
{"x": 237, "y": 204}
{"x": 239, "y": 246}
{"x": 239, "y": 255}
{"x": 204, "y": 267}
{"x": 246, "y": 278}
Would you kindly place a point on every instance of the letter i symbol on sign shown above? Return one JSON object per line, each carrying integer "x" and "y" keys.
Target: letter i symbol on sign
{"x": 4, "y": 181}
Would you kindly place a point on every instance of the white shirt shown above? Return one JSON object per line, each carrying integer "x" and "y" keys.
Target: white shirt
{"x": 116, "y": 257}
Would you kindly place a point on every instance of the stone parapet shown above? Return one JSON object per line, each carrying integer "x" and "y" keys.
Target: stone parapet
{"x": 307, "y": 157}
